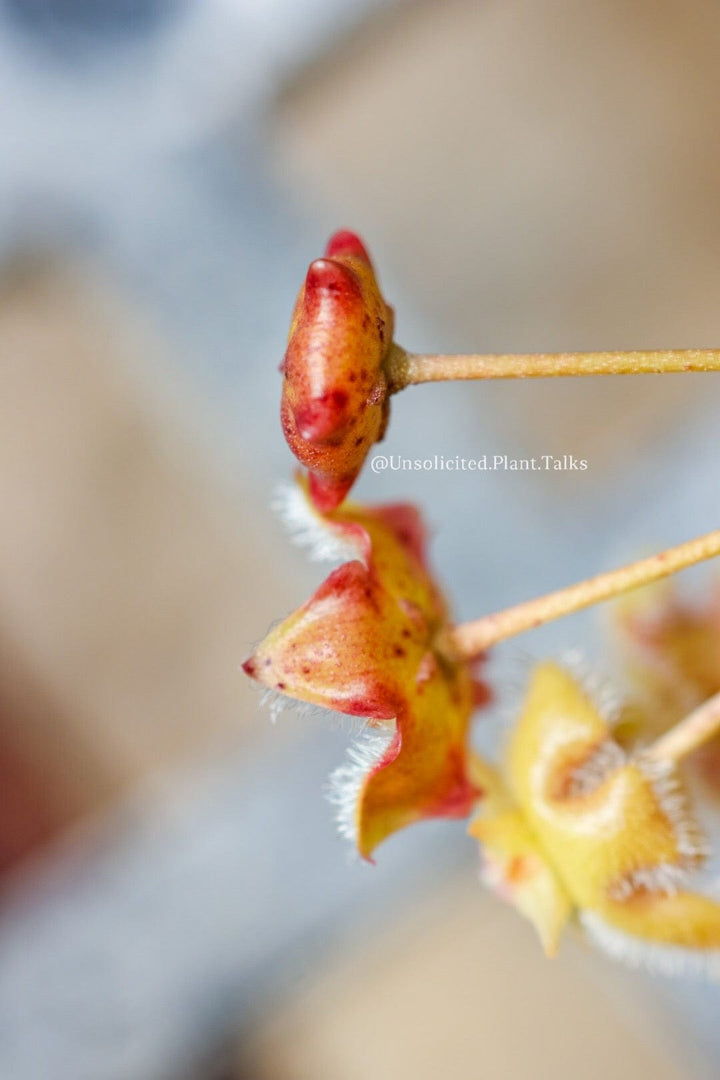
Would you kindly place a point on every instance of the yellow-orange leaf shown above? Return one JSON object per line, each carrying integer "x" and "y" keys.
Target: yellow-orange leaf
{"x": 373, "y": 642}
{"x": 583, "y": 827}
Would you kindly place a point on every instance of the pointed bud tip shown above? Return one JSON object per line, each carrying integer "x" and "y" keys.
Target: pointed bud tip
{"x": 345, "y": 242}
{"x": 249, "y": 666}
{"x": 328, "y": 276}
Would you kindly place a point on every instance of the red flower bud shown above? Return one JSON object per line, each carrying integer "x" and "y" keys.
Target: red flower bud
{"x": 335, "y": 401}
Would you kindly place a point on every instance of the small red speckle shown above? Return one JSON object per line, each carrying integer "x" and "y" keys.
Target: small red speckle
{"x": 250, "y": 667}
{"x": 518, "y": 870}
{"x": 482, "y": 694}
{"x": 280, "y": 685}
{"x": 398, "y": 650}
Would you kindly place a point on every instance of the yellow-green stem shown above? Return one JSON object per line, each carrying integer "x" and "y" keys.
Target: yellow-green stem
{"x": 408, "y": 369}
{"x": 690, "y": 733}
{"x": 472, "y": 639}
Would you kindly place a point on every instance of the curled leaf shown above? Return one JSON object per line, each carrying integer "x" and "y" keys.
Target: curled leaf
{"x": 583, "y": 827}
{"x": 515, "y": 869}
{"x": 373, "y": 642}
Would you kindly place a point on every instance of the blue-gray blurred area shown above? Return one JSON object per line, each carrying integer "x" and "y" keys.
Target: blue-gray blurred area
{"x": 167, "y": 171}
{"x": 56, "y": 24}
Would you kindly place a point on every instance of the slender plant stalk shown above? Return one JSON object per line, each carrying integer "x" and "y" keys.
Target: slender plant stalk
{"x": 690, "y": 733}
{"x": 473, "y": 638}
{"x": 407, "y": 369}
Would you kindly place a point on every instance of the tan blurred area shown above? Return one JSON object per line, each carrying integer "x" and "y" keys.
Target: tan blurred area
{"x": 120, "y": 638}
{"x": 546, "y": 177}
{"x": 460, "y": 988}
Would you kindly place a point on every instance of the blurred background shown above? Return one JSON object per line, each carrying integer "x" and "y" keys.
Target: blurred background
{"x": 174, "y": 903}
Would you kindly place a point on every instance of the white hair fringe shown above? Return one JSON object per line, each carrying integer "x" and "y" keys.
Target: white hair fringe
{"x": 308, "y": 529}
{"x": 346, "y": 782}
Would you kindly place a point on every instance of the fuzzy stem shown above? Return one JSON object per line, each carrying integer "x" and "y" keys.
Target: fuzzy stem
{"x": 407, "y": 369}
{"x": 472, "y": 639}
{"x": 690, "y": 733}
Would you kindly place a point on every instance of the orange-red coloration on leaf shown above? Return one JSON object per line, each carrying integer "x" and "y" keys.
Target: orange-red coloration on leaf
{"x": 335, "y": 402}
{"x": 373, "y": 642}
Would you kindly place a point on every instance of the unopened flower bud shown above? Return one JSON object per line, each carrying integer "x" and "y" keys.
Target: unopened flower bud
{"x": 335, "y": 401}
